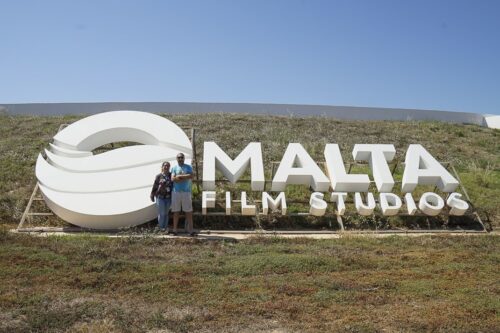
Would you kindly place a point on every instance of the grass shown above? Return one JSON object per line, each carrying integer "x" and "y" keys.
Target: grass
{"x": 93, "y": 284}
{"x": 88, "y": 283}
{"x": 474, "y": 150}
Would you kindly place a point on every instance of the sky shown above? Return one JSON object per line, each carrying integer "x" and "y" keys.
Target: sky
{"x": 439, "y": 54}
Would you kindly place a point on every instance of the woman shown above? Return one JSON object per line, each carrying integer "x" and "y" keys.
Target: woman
{"x": 162, "y": 192}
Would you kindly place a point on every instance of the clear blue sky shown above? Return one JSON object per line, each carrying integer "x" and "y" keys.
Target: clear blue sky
{"x": 436, "y": 54}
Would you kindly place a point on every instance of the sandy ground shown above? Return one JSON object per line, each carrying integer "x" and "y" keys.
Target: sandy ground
{"x": 235, "y": 235}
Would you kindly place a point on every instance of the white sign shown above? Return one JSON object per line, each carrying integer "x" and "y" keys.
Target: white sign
{"x": 111, "y": 189}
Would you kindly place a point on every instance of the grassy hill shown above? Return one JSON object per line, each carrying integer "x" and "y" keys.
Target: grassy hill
{"x": 90, "y": 283}
{"x": 396, "y": 284}
{"x": 474, "y": 150}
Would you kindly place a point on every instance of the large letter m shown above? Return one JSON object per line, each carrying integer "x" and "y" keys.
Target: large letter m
{"x": 215, "y": 158}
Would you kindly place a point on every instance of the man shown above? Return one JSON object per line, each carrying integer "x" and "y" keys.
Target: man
{"x": 181, "y": 196}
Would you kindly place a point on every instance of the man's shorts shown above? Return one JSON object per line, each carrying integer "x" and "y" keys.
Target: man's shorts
{"x": 181, "y": 201}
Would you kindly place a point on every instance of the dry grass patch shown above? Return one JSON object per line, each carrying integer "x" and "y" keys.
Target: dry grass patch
{"x": 57, "y": 284}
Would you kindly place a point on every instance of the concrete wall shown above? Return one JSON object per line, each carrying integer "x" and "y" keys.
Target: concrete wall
{"x": 340, "y": 112}
{"x": 492, "y": 121}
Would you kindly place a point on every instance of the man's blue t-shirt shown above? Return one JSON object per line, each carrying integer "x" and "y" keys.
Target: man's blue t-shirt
{"x": 184, "y": 186}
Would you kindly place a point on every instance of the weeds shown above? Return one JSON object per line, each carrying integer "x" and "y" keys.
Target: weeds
{"x": 474, "y": 150}
{"x": 4, "y": 233}
{"x": 445, "y": 284}
{"x": 484, "y": 175}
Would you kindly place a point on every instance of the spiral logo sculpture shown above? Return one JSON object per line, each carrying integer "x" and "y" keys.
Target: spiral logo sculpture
{"x": 108, "y": 190}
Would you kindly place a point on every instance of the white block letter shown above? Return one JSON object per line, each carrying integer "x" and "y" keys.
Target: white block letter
{"x": 214, "y": 157}
{"x": 341, "y": 181}
{"x": 246, "y": 209}
{"x": 377, "y": 156}
{"x": 228, "y": 203}
{"x": 318, "y": 205}
{"x": 390, "y": 204}
{"x": 207, "y": 201}
{"x": 431, "y": 204}
{"x": 423, "y": 169}
{"x": 269, "y": 202}
{"x": 410, "y": 204}
{"x": 361, "y": 208}
{"x": 458, "y": 207}
{"x": 339, "y": 198}
{"x": 307, "y": 172}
